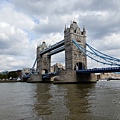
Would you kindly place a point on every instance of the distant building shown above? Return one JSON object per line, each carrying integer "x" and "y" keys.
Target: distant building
{"x": 56, "y": 67}
{"x": 25, "y": 71}
{"x": 108, "y": 75}
{"x": 19, "y": 73}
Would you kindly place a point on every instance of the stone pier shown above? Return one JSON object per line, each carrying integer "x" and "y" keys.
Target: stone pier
{"x": 35, "y": 78}
{"x": 70, "y": 76}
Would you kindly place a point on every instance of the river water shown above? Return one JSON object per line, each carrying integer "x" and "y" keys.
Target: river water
{"x": 43, "y": 101}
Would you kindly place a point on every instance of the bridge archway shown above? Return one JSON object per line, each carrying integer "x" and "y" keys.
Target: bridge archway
{"x": 44, "y": 71}
{"x": 79, "y": 66}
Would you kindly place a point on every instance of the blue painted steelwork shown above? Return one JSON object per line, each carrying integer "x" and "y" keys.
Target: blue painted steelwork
{"x": 59, "y": 44}
{"x": 49, "y": 75}
{"x": 98, "y": 56}
{"x": 60, "y": 49}
{"x": 102, "y": 54}
{"x": 99, "y": 70}
{"x": 26, "y": 76}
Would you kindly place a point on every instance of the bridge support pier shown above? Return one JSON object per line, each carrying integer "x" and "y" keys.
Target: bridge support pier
{"x": 35, "y": 78}
{"x": 86, "y": 77}
{"x": 70, "y": 76}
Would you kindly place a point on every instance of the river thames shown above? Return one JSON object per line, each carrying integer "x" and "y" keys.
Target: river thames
{"x": 40, "y": 101}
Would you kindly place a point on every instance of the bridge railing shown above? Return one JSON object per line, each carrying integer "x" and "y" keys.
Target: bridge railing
{"x": 99, "y": 70}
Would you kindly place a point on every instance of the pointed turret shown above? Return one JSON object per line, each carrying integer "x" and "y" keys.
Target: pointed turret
{"x": 83, "y": 28}
{"x": 84, "y": 31}
{"x": 65, "y": 29}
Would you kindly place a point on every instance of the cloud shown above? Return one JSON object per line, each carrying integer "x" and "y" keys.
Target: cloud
{"x": 50, "y": 27}
{"x": 99, "y": 24}
{"x": 9, "y": 15}
{"x": 12, "y": 40}
{"x": 58, "y": 58}
{"x": 110, "y": 42}
{"x": 105, "y": 5}
{"x": 23, "y": 25}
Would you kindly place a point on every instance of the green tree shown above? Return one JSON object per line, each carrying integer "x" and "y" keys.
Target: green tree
{"x": 1, "y": 76}
{"x": 12, "y": 74}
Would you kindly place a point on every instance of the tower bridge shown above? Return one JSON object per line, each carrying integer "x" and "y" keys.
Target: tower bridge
{"x": 74, "y": 44}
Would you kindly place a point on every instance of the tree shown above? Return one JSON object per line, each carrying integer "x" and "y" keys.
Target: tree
{"x": 12, "y": 74}
{"x": 1, "y": 76}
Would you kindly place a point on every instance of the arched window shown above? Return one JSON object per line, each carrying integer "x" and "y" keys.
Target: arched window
{"x": 74, "y": 31}
{"x": 79, "y": 66}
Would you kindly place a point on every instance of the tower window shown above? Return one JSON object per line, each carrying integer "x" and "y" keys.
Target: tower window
{"x": 74, "y": 31}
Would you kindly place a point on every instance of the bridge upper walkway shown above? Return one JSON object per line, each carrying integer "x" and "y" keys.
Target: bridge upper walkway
{"x": 54, "y": 48}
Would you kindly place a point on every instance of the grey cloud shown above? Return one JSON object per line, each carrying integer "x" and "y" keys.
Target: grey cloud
{"x": 3, "y": 44}
{"x": 38, "y": 7}
{"x": 55, "y": 24}
{"x": 100, "y": 26}
{"x": 50, "y": 7}
{"x": 58, "y": 58}
{"x": 97, "y": 26}
{"x": 12, "y": 45}
{"x": 105, "y": 5}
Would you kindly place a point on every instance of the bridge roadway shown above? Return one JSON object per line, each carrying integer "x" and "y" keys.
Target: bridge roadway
{"x": 99, "y": 70}
{"x": 94, "y": 70}
{"x": 48, "y": 75}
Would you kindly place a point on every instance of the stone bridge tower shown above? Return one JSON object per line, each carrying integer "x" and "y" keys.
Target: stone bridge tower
{"x": 43, "y": 61}
{"x": 74, "y": 59}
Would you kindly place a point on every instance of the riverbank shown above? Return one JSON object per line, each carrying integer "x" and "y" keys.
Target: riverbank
{"x": 10, "y": 81}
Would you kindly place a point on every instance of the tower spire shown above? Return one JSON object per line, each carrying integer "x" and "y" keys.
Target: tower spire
{"x": 65, "y": 27}
{"x": 83, "y": 28}
{"x": 74, "y": 21}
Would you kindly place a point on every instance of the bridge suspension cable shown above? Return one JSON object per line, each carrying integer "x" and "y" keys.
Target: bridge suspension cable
{"x": 97, "y": 55}
{"x": 102, "y": 54}
{"x": 31, "y": 70}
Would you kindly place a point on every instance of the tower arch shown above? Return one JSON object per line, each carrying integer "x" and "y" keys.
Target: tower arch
{"x": 79, "y": 66}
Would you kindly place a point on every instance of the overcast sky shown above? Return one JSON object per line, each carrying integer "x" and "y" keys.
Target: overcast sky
{"x": 26, "y": 24}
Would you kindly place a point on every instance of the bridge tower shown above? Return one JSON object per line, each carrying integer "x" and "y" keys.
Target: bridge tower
{"x": 74, "y": 59}
{"x": 43, "y": 61}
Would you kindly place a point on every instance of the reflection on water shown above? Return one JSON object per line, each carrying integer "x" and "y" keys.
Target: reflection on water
{"x": 38, "y": 101}
{"x": 77, "y": 96}
{"x": 51, "y": 102}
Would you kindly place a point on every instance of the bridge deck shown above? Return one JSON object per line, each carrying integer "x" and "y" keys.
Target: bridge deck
{"x": 100, "y": 70}
{"x": 47, "y": 75}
